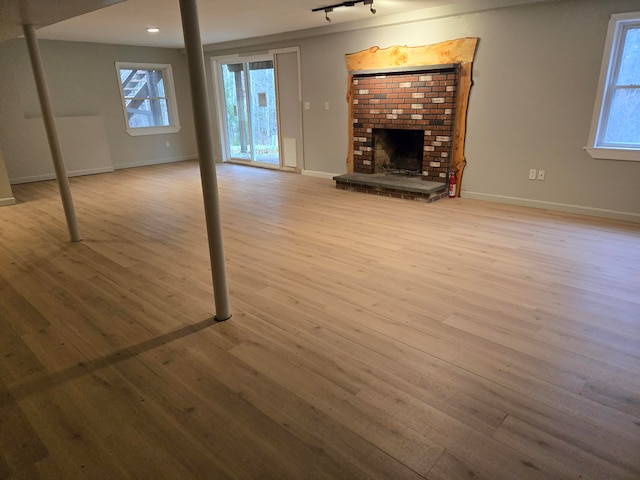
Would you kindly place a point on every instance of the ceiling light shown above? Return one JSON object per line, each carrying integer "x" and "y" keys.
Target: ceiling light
{"x": 348, "y": 3}
{"x": 370, "y": 3}
{"x": 153, "y": 30}
{"x": 326, "y": 14}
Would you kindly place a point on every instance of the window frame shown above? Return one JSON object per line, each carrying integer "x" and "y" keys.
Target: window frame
{"x": 170, "y": 96}
{"x": 613, "y": 49}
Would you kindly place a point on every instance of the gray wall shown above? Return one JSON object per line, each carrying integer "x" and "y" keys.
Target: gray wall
{"x": 535, "y": 75}
{"x": 84, "y": 89}
{"x": 535, "y": 79}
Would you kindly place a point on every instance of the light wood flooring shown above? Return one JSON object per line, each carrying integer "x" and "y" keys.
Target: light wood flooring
{"x": 371, "y": 337}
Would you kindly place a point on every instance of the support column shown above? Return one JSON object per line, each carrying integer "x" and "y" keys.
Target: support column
{"x": 52, "y": 132}
{"x": 195, "y": 59}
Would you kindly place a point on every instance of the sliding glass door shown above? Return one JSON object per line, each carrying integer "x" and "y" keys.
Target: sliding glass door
{"x": 250, "y": 111}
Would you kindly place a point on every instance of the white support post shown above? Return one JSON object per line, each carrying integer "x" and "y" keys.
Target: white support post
{"x": 195, "y": 59}
{"x": 52, "y": 132}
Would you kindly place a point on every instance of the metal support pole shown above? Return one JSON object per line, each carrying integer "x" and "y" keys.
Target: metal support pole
{"x": 52, "y": 132}
{"x": 195, "y": 59}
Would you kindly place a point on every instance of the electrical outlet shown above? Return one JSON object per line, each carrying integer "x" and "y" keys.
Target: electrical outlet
{"x": 167, "y": 144}
{"x": 532, "y": 174}
{"x": 540, "y": 174}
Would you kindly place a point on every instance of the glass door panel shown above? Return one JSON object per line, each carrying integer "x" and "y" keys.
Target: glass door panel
{"x": 251, "y": 112}
{"x": 235, "y": 104}
{"x": 264, "y": 116}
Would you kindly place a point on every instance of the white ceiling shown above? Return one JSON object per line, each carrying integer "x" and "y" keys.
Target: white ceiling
{"x": 14, "y": 13}
{"x": 223, "y": 21}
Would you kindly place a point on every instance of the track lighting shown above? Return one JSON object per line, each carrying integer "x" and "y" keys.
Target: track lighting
{"x": 370, "y": 3}
{"x": 328, "y": 9}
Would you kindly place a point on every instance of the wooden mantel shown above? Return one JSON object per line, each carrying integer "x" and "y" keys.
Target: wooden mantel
{"x": 460, "y": 52}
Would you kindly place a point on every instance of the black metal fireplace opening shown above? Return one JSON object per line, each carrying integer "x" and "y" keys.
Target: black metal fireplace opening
{"x": 398, "y": 151}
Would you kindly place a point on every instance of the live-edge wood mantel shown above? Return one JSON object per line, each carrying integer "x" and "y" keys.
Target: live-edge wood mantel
{"x": 460, "y": 52}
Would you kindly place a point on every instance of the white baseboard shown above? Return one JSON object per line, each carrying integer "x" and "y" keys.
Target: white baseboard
{"x": 313, "y": 173}
{"x": 52, "y": 176}
{"x": 155, "y": 161}
{"x": 560, "y": 207}
{"x": 93, "y": 171}
{"x": 7, "y": 201}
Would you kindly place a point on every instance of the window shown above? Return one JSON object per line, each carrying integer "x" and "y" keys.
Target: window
{"x": 148, "y": 98}
{"x": 615, "y": 128}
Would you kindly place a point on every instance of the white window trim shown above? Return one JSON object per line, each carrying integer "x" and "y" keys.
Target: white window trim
{"x": 171, "y": 99}
{"x": 614, "y": 31}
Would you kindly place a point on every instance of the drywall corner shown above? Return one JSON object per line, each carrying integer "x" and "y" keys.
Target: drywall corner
{"x": 6, "y": 194}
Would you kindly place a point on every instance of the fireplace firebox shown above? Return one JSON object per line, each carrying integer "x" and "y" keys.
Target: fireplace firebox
{"x": 397, "y": 150}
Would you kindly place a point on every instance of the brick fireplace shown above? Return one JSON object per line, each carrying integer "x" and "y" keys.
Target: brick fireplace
{"x": 408, "y": 115}
{"x": 423, "y": 100}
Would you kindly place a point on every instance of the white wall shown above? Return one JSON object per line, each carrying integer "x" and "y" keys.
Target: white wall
{"x": 84, "y": 91}
{"x": 535, "y": 79}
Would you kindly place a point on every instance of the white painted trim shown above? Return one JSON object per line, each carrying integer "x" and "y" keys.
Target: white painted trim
{"x": 560, "y": 207}
{"x": 142, "y": 131}
{"x": 219, "y": 106}
{"x": 34, "y": 178}
{"x": 52, "y": 176}
{"x": 7, "y": 201}
{"x": 293, "y": 49}
{"x": 90, "y": 171}
{"x": 314, "y": 173}
{"x": 155, "y": 161}
{"x": 613, "y": 154}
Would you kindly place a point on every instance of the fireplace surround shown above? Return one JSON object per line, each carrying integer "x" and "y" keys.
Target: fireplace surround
{"x": 417, "y": 101}
{"x": 416, "y": 88}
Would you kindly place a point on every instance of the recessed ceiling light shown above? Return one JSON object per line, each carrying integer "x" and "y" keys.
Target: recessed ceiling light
{"x": 153, "y": 30}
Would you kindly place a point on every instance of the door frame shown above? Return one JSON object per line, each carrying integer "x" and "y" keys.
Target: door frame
{"x": 218, "y": 89}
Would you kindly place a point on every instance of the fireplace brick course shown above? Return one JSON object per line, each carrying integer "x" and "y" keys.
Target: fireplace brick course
{"x": 416, "y": 101}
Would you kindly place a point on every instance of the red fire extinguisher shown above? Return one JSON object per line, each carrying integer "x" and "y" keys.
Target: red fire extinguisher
{"x": 453, "y": 183}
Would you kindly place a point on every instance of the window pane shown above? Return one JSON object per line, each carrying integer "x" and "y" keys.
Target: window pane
{"x": 148, "y": 94}
{"x": 233, "y": 78}
{"x": 623, "y": 126}
{"x": 264, "y": 116}
{"x": 155, "y": 79}
{"x": 144, "y": 112}
{"x": 145, "y": 98}
{"x": 630, "y": 59}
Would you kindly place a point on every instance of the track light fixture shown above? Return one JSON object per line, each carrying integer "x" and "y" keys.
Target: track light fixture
{"x": 370, "y": 3}
{"x": 328, "y": 9}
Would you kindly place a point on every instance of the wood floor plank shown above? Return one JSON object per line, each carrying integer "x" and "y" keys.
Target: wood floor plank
{"x": 563, "y": 459}
{"x": 486, "y": 458}
{"x": 371, "y": 337}
{"x": 316, "y": 438}
{"x": 411, "y": 448}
